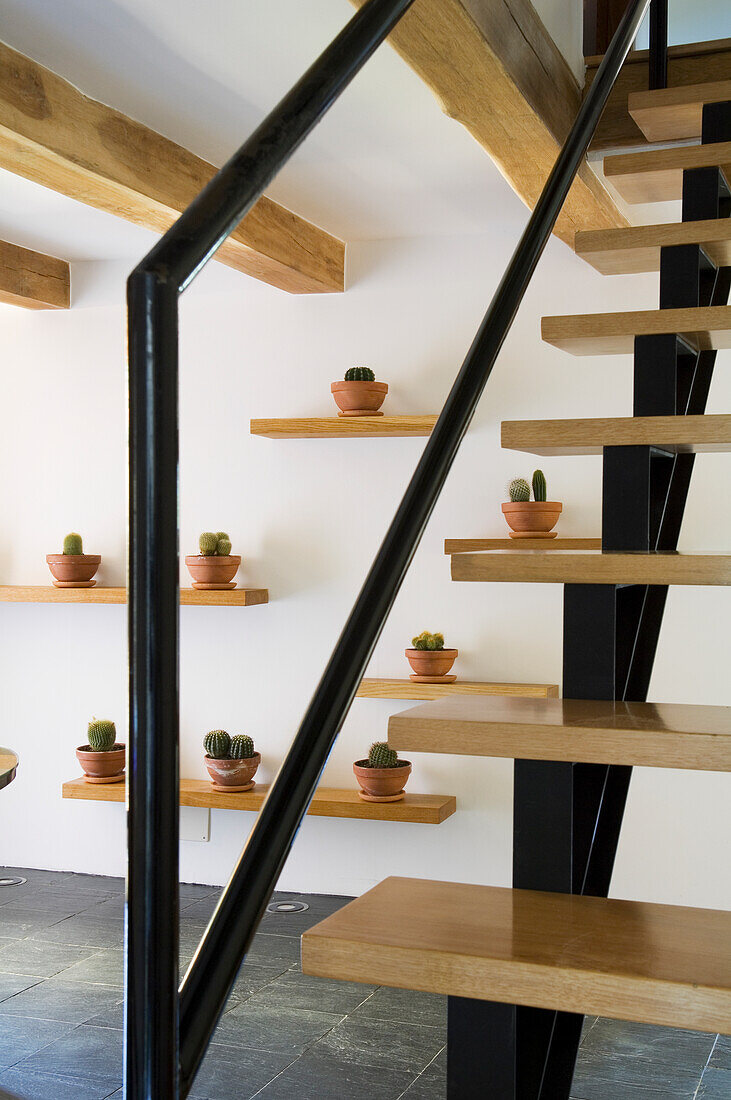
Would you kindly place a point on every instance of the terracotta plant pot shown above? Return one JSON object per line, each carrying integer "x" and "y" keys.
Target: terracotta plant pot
{"x": 73, "y": 570}
{"x": 213, "y": 572}
{"x": 233, "y": 775}
{"x": 431, "y": 666}
{"x": 102, "y": 767}
{"x": 532, "y": 519}
{"x": 381, "y": 784}
{"x": 359, "y": 398}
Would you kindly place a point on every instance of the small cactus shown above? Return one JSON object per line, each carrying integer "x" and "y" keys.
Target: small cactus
{"x": 242, "y": 747}
{"x": 217, "y": 744}
{"x": 519, "y": 490}
{"x": 207, "y": 544}
{"x": 539, "y": 485}
{"x": 73, "y": 544}
{"x": 380, "y": 756}
{"x": 102, "y": 735}
{"x": 223, "y": 548}
{"x": 221, "y": 535}
{"x": 360, "y": 374}
{"x": 425, "y": 640}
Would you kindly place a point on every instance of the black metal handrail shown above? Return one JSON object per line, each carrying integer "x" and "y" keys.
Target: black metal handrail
{"x": 164, "y": 1051}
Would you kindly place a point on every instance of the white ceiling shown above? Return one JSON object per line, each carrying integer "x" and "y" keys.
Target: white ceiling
{"x": 384, "y": 163}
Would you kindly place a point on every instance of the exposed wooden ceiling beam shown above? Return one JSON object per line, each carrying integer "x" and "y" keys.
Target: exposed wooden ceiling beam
{"x": 54, "y": 135}
{"x": 493, "y": 67}
{"x": 33, "y": 280}
{"x": 691, "y": 63}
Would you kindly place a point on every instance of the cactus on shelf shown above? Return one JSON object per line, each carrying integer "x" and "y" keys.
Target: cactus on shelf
{"x": 380, "y": 756}
{"x": 217, "y": 744}
{"x": 207, "y": 544}
{"x": 223, "y": 548}
{"x": 73, "y": 544}
{"x": 519, "y": 490}
{"x": 539, "y": 485}
{"x": 242, "y": 747}
{"x": 101, "y": 735}
{"x": 360, "y": 374}
{"x": 425, "y": 640}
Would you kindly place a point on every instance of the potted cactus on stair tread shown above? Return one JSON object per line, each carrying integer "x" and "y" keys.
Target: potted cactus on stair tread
{"x": 73, "y": 568}
{"x": 102, "y": 758}
{"x": 215, "y": 566}
{"x": 531, "y": 519}
{"x": 429, "y": 659}
{"x": 232, "y": 762}
{"x": 359, "y": 394}
{"x": 382, "y": 776}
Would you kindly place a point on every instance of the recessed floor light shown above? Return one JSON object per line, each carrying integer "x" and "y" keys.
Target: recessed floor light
{"x": 12, "y": 881}
{"x": 283, "y": 908}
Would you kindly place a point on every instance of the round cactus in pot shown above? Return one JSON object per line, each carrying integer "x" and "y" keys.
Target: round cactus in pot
{"x": 215, "y": 566}
{"x": 429, "y": 660}
{"x": 531, "y": 519}
{"x": 73, "y": 568}
{"x": 102, "y": 757}
{"x": 359, "y": 394}
{"x": 381, "y": 775}
{"x": 232, "y": 762}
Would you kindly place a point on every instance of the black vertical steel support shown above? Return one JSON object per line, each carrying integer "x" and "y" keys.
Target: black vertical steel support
{"x": 659, "y": 44}
{"x": 151, "y": 931}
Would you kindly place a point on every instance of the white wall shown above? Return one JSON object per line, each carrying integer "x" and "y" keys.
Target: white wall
{"x": 307, "y": 516}
{"x": 693, "y": 21}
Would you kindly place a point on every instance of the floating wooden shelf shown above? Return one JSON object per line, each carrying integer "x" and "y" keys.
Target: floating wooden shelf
{"x": 628, "y": 251}
{"x": 593, "y": 567}
{"x": 687, "y": 434}
{"x": 655, "y": 735}
{"x": 343, "y": 427}
{"x": 425, "y": 809}
{"x": 233, "y": 597}
{"x": 661, "y": 964}
{"x": 465, "y": 546}
{"x": 670, "y": 114}
{"x": 407, "y": 689}
{"x": 705, "y": 327}
{"x": 656, "y": 175}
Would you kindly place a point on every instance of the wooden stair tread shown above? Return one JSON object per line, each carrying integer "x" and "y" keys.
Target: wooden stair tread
{"x": 28, "y": 593}
{"x": 705, "y": 328}
{"x": 669, "y": 114}
{"x": 592, "y": 567}
{"x": 342, "y": 427}
{"x": 688, "y": 434}
{"x": 656, "y": 175}
{"x": 424, "y": 809}
{"x": 628, "y": 251}
{"x": 662, "y": 964}
{"x": 463, "y": 546}
{"x": 662, "y": 735}
{"x": 407, "y": 689}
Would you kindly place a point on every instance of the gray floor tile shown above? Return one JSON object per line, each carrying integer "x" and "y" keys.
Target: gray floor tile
{"x": 281, "y": 951}
{"x": 253, "y": 977}
{"x": 61, "y": 903}
{"x": 10, "y": 984}
{"x": 101, "y": 968}
{"x": 17, "y": 923}
{"x": 88, "y": 1052}
{"x": 671, "y": 1046}
{"x": 55, "y": 999}
{"x": 296, "y": 990}
{"x": 429, "y": 1085}
{"x": 107, "y": 907}
{"x": 20, "y": 1038}
{"x": 112, "y": 1017}
{"x": 721, "y": 1056}
{"x": 23, "y": 1084}
{"x": 230, "y": 1072}
{"x": 408, "y": 1047}
{"x": 198, "y": 910}
{"x": 82, "y": 931}
{"x": 601, "y": 1076}
{"x": 715, "y": 1084}
{"x": 40, "y": 959}
{"x": 318, "y": 1075}
{"x": 405, "y": 1006}
{"x": 281, "y": 1030}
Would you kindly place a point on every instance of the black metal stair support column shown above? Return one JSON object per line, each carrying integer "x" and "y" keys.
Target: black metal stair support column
{"x": 659, "y": 44}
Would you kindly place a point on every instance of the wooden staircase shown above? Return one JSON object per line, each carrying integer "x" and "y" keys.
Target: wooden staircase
{"x": 521, "y": 966}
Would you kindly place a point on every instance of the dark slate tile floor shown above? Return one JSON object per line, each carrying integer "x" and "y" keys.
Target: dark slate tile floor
{"x": 284, "y": 1035}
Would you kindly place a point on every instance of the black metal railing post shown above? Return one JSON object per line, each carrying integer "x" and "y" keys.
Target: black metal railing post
{"x": 659, "y": 44}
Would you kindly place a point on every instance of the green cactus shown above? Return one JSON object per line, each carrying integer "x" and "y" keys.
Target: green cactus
{"x": 360, "y": 374}
{"x": 425, "y": 640}
{"x": 380, "y": 756}
{"x": 73, "y": 544}
{"x": 221, "y": 535}
{"x": 242, "y": 747}
{"x": 207, "y": 544}
{"x": 223, "y": 548}
{"x": 217, "y": 744}
{"x": 519, "y": 490}
{"x": 539, "y": 485}
{"x": 102, "y": 735}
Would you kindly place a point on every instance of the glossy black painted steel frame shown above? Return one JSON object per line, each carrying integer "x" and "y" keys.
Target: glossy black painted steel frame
{"x": 152, "y": 1038}
{"x": 659, "y": 44}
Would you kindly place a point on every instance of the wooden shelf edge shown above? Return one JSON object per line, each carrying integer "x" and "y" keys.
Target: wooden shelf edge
{"x": 343, "y": 427}
{"x": 371, "y": 688}
{"x": 424, "y": 809}
{"x": 234, "y": 597}
{"x": 466, "y": 546}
